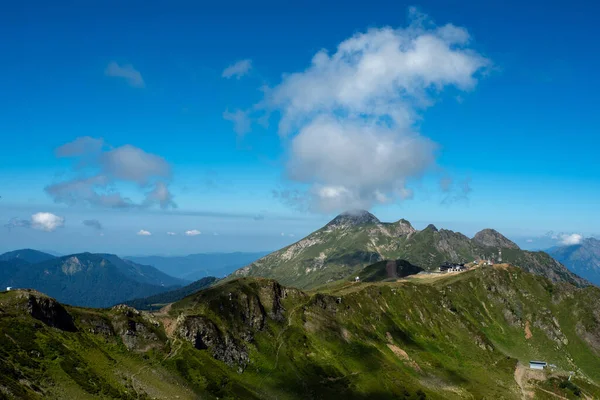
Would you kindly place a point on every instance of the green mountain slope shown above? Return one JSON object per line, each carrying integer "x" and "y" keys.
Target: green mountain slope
{"x": 583, "y": 258}
{"x": 92, "y": 280}
{"x": 354, "y": 240}
{"x": 466, "y": 335}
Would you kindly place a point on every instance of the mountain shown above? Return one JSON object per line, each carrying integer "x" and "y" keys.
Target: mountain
{"x": 356, "y": 239}
{"x": 160, "y": 300}
{"x": 28, "y": 255}
{"x": 195, "y": 266}
{"x": 455, "y": 336}
{"x": 582, "y": 259}
{"x": 91, "y": 280}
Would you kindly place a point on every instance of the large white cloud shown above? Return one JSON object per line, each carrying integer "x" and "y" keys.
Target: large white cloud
{"x": 350, "y": 116}
{"x": 98, "y": 170}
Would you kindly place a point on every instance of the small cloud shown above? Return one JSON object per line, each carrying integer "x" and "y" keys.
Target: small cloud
{"x": 101, "y": 233}
{"x": 127, "y": 72}
{"x": 171, "y": 233}
{"x": 237, "y": 69}
{"x": 143, "y": 232}
{"x": 529, "y": 240}
{"x": 240, "y": 119}
{"x": 45, "y": 221}
{"x": 93, "y": 223}
{"x": 193, "y": 232}
{"x": 282, "y": 234}
{"x": 571, "y": 239}
{"x": 17, "y": 223}
{"x": 291, "y": 235}
{"x": 215, "y": 234}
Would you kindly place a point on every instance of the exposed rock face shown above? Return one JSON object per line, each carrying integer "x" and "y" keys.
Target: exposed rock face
{"x": 205, "y": 335}
{"x": 401, "y": 228}
{"x": 353, "y": 218}
{"x": 135, "y": 328}
{"x": 50, "y": 312}
{"x": 492, "y": 238}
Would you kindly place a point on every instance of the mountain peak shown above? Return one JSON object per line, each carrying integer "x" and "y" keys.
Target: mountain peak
{"x": 353, "y": 218}
{"x": 431, "y": 227}
{"x": 493, "y": 238}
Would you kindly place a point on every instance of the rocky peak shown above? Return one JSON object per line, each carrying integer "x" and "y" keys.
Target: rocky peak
{"x": 493, "y": 238}
{"x": 431, "y": 227}
{"x": 402, "y": 227}
{"x": 353, "y": 218}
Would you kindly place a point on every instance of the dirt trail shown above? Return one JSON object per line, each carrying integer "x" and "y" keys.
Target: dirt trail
{"x": 521, "y": 379}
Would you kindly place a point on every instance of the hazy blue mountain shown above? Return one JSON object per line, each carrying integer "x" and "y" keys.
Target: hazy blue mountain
{"x": 157, "y": 301}
{"x": 582, "y": 259}
{"x": 29, "y": 255}
{"x": 90, "y": 280}
{"x": 195, "y": 266}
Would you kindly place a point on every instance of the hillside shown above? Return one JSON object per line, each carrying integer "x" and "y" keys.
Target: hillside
{"x": 91, "y": 280}
{"x": 354, "y": 240}
{"x": 160, "y": 300}
{"x": 28, "y": 255}
{"x": 467, "y": 335}
{"x": 582, "y": 259}
{"x": 196, "y": 266}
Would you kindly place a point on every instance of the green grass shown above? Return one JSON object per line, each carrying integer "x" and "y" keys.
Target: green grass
{"x": 459, "y": 336}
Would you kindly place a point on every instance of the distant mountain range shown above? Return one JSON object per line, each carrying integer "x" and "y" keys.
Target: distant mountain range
{"x": 356, "y": 239}
{"x": 583, "y": 258}
{"x": 157, "y": 301}
{"x": 90, "y": 280}
{"x": 196, "y": 266}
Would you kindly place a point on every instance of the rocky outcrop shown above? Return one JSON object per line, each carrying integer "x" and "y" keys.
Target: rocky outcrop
{"x": 205, "y": 335}
{"x": 137, "y": 330}
{"x": 50, "y": 312}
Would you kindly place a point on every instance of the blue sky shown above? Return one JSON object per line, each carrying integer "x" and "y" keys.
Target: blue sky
{"x": 506, "y": 137}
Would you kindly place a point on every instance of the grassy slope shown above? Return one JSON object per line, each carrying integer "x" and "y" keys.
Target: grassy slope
{"x": 454, "y": 337}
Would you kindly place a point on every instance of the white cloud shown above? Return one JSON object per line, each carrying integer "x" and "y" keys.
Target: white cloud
{"x": 171, "y": 233}
{"x": 98, "y": 168}
{"x": 46, "y": 221}
{"x": 240, "y": 119}
{"x": 529, "y": 240}
{"x": 193, "y": 232}
{"x": 350, "y": 116}
{"x": 127, "y": 72}
{"x": 238, "y": 69}
{"x": 143, "y": 232}
{"x": 570, "y": 239}
{"x": 42, "y": 221}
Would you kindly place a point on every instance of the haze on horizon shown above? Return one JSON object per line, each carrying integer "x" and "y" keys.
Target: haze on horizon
{"x": 132, "y": 130}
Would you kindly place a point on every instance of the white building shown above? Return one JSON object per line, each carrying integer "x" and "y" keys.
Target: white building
{"x": 537, "y": 364}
